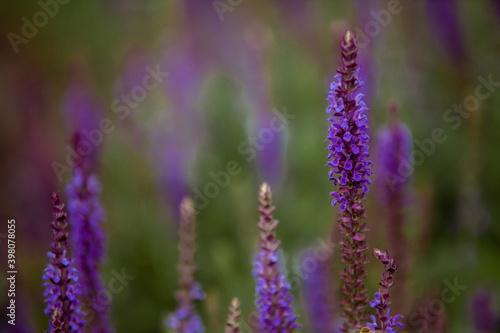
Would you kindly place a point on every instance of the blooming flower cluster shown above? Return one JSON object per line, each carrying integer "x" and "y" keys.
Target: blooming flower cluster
{"x": 274, "y": 301}
{"x": 61, "y": 279}
{"x": 383, "y": 320}
{"x": 350, "y": 171}
{"x": 185, "y": 319}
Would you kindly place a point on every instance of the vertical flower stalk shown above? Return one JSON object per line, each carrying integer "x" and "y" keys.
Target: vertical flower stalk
{"x": 274, "y": 301}
{"x": 383, "y": 320}
{"x": 318, "y": 292}
{"x": 350, "y": 171}
{"x": 86, "y": 216}
{"x": 394, "y": 147}
{"x": 185, "y": 319}
{"x": 61, "y": 279}
{"x": 233, "y": 317}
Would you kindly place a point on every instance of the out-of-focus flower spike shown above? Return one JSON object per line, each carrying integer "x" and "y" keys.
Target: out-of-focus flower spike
{"x": 83, "y": 112}
{"x": 86, "y": 216}
{"x": 317, "y": 291}
{"x": 175, "y": 141}
{"x": 185, "y": 319}
{"x": 444, "y": 15}
{"x": 274, "y": 300}
{"x": 268, "y": 127}
{"x": 350, "y": 171}
{"x": 393, "y": 151}
{"x": 61, "y": 282}
{"x": 233, "y": 317}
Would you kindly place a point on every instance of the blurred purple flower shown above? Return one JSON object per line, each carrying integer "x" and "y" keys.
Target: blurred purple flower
{"x": 274, "y": 300}
{"x": 318, "y": 297}
{"x": 383, "y": 320}
{"x": 86, "y": 216}
{"x": 174, "y": 144}
{"x": 83, "y": 113}
{"x": 486, "y": 320}
{"x": 444, "y": 17}
{"x": 393, "y": 150}
{"x": 348, "y": 158}
{"x": 185, "y": 319}
{"x": 61, "y": 279}
{"x": 255, "y": 76}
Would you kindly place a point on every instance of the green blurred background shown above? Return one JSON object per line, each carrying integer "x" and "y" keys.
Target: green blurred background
{"x": 418, "y": 60}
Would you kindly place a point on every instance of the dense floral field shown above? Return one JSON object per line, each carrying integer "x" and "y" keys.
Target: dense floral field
{"x": 249, "y": 166}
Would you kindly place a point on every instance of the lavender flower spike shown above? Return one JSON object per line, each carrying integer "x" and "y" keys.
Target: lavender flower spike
{"x": 86, "y": 215}
{"x": 383, "y": 320}
{"x": 185, "y": 319}
{"x": 274, "y": 301}
{"x": 348, "y": 158}
{"x": 233, "y": 318}
{"x": 318, "y": 298}
{"x": 393, "y": 149}
{"x": 61, "y": 279}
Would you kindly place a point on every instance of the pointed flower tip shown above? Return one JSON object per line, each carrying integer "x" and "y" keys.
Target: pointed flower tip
{"x": 265, "y": 188}
{"x": 187, "y": 205}
{"x": 377, "y": 252}
{"x": 349, "y": 36}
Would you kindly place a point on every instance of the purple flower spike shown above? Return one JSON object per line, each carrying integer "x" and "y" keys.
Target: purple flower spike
{"x": 393, "y": 150}
{"x": 86, "y": 215}
{"x": 274, "y": 301}
{"x": 61, "y": 279}
{"x": 185, "y": 319}
{"x": 348, "y": 158}
{"x": 233, "y": 318}
{"x": 383, "y": 320}
{"x": 318, "y": 297}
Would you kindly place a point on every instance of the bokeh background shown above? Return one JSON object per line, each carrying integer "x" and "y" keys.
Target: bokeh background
{"x": 228, "y": 69}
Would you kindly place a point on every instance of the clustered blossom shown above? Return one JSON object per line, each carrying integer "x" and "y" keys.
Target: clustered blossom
{"x": 86, "y": 217}
{"x": 383, "y": 320}
{"x": 318, "y": 297}
{"x": 233, "y": 317}
{"x": 61, "y": 279}
{"x": 350, "y": 171}
{"x": 274, "y": 301}
{"x": 185, "y": 319}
